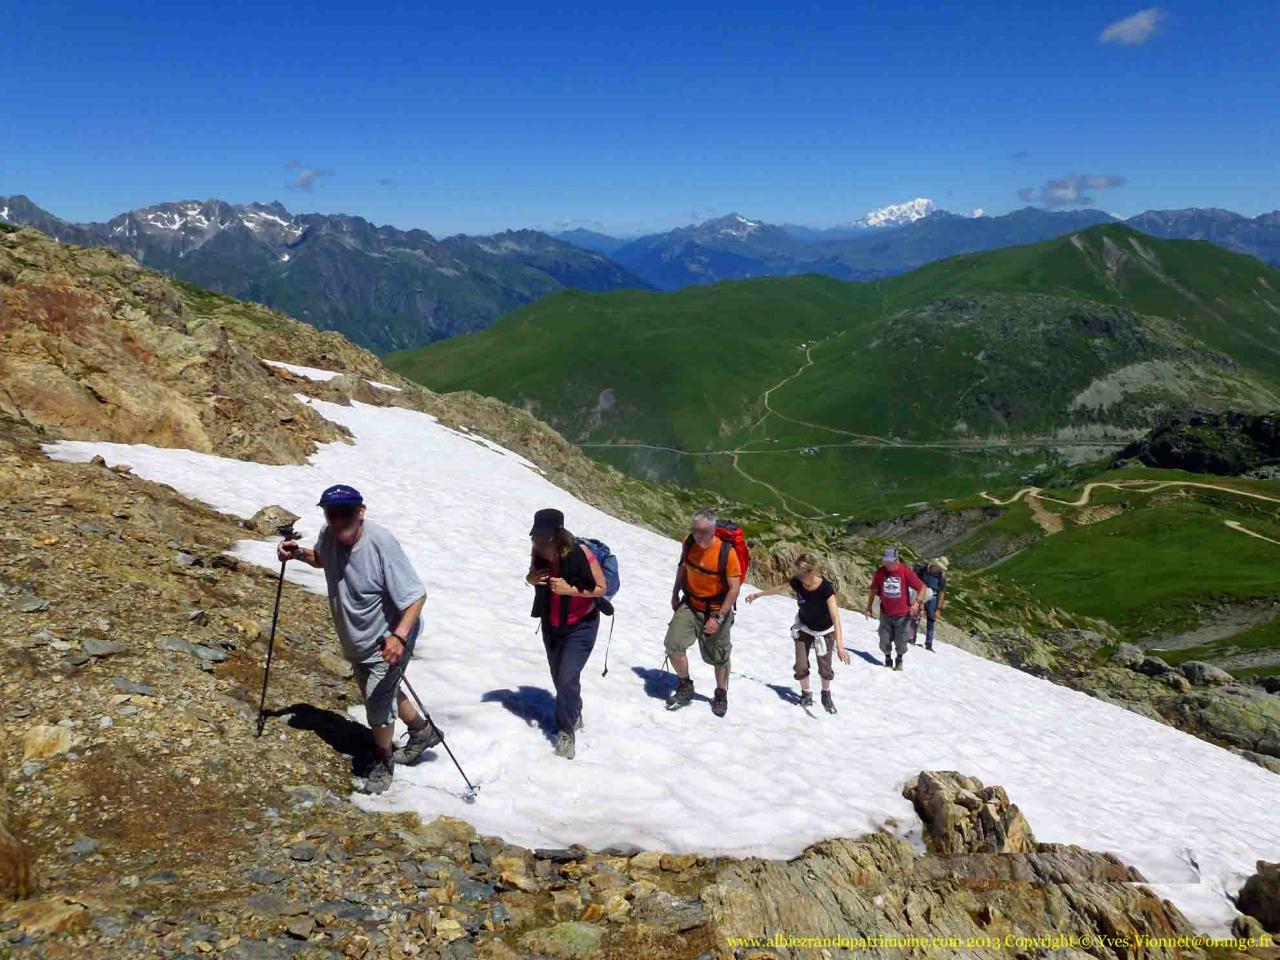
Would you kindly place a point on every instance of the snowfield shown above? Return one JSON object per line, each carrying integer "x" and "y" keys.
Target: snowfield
{"x": 769, "y": 778}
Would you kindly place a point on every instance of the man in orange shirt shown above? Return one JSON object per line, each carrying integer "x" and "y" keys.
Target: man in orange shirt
{"x": 707, "y": 583}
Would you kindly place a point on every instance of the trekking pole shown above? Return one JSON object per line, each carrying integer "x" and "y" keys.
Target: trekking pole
{"x": 608, "y": 643}
{"x": 285, "y": 530}
{"x": 472, "y": 790}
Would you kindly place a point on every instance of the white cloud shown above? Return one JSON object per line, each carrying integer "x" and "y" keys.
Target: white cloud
{"x": 1073, "y": 190}
{"x": 1134, "y": 29}
{"x": 304, "y": 177}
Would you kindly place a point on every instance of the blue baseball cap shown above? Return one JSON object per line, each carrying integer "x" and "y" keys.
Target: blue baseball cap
{"x": 339, "y": 495}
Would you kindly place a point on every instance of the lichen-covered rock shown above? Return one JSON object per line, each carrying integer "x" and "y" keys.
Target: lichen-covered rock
{"x": 1153, "y": 666}
{"x": 1260, "y": 896}
{"x": 1127, "y": 655}
{"x": 570, "y": 940}
{"x": 268, "y": 520}
{"x": 1205, "y": 674}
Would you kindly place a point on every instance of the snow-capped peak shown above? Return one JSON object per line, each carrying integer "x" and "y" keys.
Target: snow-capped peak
{"x": 898, "y": 214}
{"x": 975, "y": 213}
{"x": 4, "y": 212}
{"x": 732, "y": 225}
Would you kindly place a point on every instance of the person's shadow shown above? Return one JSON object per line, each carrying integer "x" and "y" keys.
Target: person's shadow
{"x": 660, "y": 684}
{"x": 338, "y": 731}
{"x": 536, "y": 706}
{"x": 785, "y": 694}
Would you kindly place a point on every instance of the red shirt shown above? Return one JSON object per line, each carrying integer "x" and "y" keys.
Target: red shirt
{"x": 891, "y": 587}
{"x": 579, "y": 607}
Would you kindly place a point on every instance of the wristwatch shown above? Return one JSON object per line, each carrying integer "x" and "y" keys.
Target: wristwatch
{"x": 718, "y": 617}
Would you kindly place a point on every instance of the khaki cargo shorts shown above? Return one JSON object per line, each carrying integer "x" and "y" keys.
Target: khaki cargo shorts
{"x": 686, "y": 628}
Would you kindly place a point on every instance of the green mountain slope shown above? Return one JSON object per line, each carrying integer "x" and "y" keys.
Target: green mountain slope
{"x": 823, "y": 396}
{"x": 1183, "y": 563}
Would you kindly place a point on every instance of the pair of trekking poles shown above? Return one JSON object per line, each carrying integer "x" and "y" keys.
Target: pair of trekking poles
{"x": 288, "y": 533}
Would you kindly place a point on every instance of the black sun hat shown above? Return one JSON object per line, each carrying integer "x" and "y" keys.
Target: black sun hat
{"x": 547, "y": 522}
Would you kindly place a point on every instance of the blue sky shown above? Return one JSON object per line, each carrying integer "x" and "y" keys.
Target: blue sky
{"x": 631, "y": 119}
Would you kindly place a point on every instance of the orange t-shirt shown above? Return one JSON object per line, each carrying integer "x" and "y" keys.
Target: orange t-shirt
{"x": 707, "y": 584}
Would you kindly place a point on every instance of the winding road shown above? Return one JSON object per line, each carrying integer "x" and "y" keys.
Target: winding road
{"x": 1035, "y": 495}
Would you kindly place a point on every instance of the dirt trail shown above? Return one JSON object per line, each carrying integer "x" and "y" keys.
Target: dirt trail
{"x": 1237, "y": 525}
{"x": 1051, "y": 522}
{"x": 1134, "y": 485}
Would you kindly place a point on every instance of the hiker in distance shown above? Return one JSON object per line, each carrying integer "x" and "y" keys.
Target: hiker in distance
{"x": 891, "y": 583}
{"x": 568, "y": 586}
{"x": 707, "y": 582}
{"x": 934, "y": 576}
{"x": 376, "y": 599}
{"x": 817, "y": 626}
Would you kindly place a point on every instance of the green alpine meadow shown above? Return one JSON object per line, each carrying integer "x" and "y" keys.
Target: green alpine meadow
{"x": 841, "y": 399}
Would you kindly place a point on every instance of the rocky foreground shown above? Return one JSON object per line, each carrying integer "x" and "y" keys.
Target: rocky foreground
{"x": 144, "y": 817}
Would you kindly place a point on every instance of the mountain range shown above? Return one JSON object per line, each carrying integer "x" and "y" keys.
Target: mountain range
{"x": 383, "y": 287}
{"x": 892, "y": 240}
{"x": 391, "y": 289}
{"x": 976, "y": 369}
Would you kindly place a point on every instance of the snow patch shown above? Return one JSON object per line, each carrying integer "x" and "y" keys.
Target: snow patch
{"x": 769, "y": 778}
{"x": 322, "y": 376}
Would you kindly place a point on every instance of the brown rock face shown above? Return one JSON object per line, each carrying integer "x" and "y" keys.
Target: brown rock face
{"x": 15, "y": 860}
{"x": 95, "y": 347}
{"x": 987, "y": 890}
{"x": 962, "y": 816}
{"x": 1260, "y": 896}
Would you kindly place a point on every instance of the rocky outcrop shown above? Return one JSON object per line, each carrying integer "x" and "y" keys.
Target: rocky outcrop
{"x": 95, "y": 347}
{"x": 874, "y": 896}
{"x": 962, "y": 816}
{"x": 15, "y": 859}
{"x": 1260, "y": 896}
{"x": 1226, "y": 443}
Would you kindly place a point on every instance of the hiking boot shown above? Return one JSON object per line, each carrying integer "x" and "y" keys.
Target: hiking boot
{"x": 827, "y": 703}
{"x": 897, "y": 664}
{"x": 928, "y": 645}
{"x": 380, "y": 776}
{"x": 683, "y": 693}
{"x": 806, "y": 698}
{"x": 720, "y": 702}
{"x": 888, "y": 660}
{"x": 420, "y": 741}
{"x": 565, "y": 745}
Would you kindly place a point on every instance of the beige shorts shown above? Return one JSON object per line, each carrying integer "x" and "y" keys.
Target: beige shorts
{"x": 687, "y": 628}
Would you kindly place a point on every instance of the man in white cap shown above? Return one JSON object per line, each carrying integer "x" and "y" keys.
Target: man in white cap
{"x": 891, "y": 584}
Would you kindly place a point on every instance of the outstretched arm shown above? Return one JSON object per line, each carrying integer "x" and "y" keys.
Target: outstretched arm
{"x": 774, "y": 592}
{"x": 292, "y": 550}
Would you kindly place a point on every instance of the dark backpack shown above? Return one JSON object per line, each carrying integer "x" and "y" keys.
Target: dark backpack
{"x": 731, "y": 539}
{"x": 608, "y": 561}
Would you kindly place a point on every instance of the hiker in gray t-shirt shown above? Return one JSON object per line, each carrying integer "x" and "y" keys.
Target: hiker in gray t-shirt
{"x": 375, "y": 598}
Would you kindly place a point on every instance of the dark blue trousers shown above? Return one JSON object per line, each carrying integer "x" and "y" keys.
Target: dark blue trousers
{"x": 567, "y": 653}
